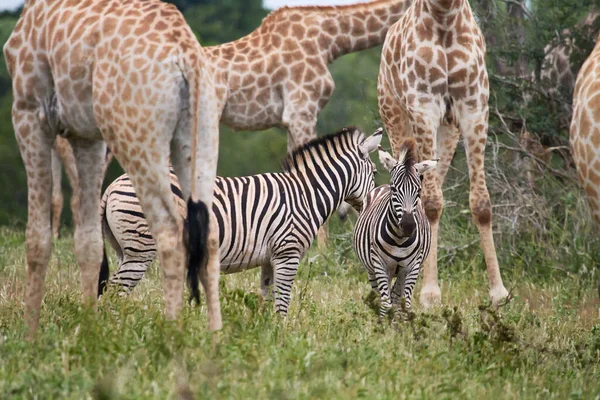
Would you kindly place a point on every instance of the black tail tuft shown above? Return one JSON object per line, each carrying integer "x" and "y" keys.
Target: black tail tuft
{"x": 104, "y": 271}
{"x": 198, "y": 236}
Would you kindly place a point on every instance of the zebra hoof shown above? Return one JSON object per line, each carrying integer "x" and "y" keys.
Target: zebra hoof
{"x": 431, "y": 296}
{"x": 498, "y": 294}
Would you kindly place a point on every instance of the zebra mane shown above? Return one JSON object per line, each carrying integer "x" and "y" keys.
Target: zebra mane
{"x": 407, "y": 154}
{"x": 293, "y": 160}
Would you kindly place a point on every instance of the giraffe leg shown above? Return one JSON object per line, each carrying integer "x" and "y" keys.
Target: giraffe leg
{"x": 433, "y": 203}
{"x": 209, "y": 277}
{"x": 35, "y": 146}
{"x": 394, "y": 117}
{"x": 397, "y": 122}
{"x": 473, "y": 127}
{"x": 65, "y": 153}
{"x": 89, "y": 159}
{"x": 141, "y": 146}
{"x": 57, "y": 194}
{"x": 207, "y": 156}
{"x": 166, "y": 225}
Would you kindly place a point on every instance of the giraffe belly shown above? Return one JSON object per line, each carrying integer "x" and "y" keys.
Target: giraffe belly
{"x": 77, "y": 116}
{"x": 252, "y": 114}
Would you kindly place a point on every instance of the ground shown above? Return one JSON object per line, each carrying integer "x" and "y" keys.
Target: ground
{"x": 544, "y": 343}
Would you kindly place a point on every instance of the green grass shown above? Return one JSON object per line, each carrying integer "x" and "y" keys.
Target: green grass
{"x": 544, "y": 344}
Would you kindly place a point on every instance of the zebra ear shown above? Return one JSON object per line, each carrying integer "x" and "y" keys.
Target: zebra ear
{"x": 371, "y": 143}
{"x": 425, "y": 166}
{"x": 386, "y": 159}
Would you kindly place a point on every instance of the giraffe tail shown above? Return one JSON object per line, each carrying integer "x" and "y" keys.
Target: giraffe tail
{"x": 197, "y": 223}
{"x": 204, "y": 139}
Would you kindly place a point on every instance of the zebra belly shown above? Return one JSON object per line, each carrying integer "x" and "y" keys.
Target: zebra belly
{"x": 242, "y": 246}
{"x": 231, "y": 265}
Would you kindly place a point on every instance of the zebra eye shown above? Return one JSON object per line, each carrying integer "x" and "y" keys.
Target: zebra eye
{"x": 421, "y": 178}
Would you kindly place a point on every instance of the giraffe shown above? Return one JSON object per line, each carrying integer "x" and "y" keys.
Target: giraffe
{"x": 433, "y": 85}
{"x": 557, "y": 75}
{"x": 62, "y": 154}
{"x": 278, "y": 76}
{"x": 585, "y": 129}
{"x": 130, "y": 75}
{"x": 558, "y": 69}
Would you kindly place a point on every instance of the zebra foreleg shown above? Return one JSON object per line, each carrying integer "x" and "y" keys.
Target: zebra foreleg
{"x": 284, "y": 273}
{"x": 398, "y": 290}
{"x": 266, "y": 281}
{"x": 383, "y": 287}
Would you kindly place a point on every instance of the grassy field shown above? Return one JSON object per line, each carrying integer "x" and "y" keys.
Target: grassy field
{"x": 544, "y": 344}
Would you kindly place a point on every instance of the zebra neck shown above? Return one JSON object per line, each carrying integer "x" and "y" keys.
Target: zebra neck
{"x": 324, "y": 191}
{"x": 391, "y": 224}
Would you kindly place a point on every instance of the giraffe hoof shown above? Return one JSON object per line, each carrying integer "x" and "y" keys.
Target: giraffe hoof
{"x": 430, "y": 296}
{"x": 498, "y": 294}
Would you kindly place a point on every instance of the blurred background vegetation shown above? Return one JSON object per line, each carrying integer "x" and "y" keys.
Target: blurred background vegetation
{"x": 530, "y": 174}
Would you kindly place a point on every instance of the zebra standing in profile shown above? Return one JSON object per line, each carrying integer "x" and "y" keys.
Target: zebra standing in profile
{"x": 392, "y": 235}
{"x": 267, "y": 220}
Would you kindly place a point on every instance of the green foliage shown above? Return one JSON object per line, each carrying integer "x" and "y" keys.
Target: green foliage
{"x": 545, "y": 342}
{"x": 7, "y": 24}
{"x": 222, "y": 21}
{"x": 519, "y": 35}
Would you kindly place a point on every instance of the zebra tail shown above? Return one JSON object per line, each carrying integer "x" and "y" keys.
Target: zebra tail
{"x": 197, "y": 219}
{"x": 104, "y": 272}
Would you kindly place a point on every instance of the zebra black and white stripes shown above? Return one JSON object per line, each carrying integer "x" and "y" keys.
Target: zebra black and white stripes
{"x": 266, "y": 220}
{"x": 392, "y": 235}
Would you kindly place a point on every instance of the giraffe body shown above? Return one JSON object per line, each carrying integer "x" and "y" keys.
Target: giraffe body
{"x": 278, "y": 75}
{"x": 585, "y": 129}
{"x": 131, "y": 75}
{"x": 433, "y": 85}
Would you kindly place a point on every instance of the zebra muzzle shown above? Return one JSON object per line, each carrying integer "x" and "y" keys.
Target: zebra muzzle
{"x": 408, "y": 224}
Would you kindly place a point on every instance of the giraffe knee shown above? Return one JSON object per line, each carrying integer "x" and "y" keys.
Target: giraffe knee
{"x": 57, "y": 200}
{"x": 482, "y": 211}
{"x": 88, "y": 244}
{"x": 433, "y": 208}
{"x": 39, "y": 246}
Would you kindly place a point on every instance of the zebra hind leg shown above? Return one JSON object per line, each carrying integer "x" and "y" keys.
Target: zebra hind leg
{"x": 266, "y": 282}
{"x": 131, "y": 271}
